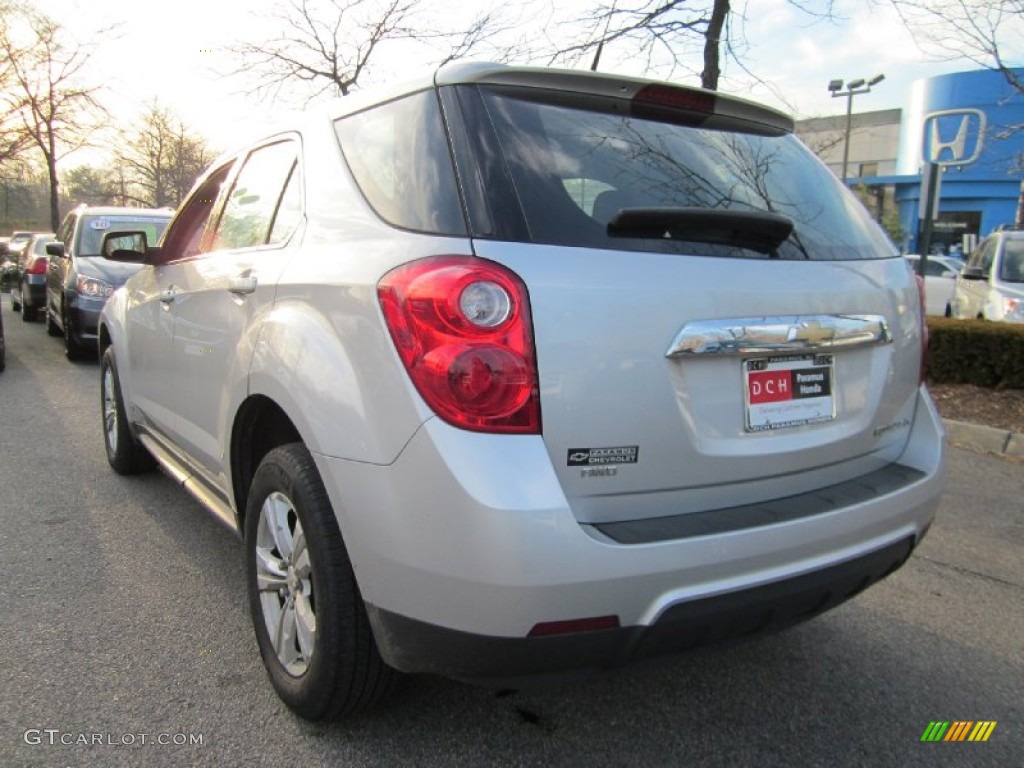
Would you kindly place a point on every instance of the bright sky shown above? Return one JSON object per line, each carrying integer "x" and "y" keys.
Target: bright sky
{"x": 177, "y": 52}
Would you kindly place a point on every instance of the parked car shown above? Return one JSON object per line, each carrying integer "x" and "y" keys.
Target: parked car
{"x": 518, "y": 371}
{"x": 8, "y": 271}
{"x": 991, "y": 285}
{"x": 28, "y": 291}
{"x": 939, "y": 280}
{"x": 79, "y": 281}
{"x": 16, "y": 243}
{"x": 3, "y": 343}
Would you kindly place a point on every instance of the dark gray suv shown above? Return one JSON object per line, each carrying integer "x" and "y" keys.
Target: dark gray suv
{"x": 79, "y": 281}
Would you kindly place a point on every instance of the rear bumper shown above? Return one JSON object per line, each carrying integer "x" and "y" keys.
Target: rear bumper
{"x": 466, "y": 542}
{"x": 33, "y": 291}
{"x": 500, "y": 661}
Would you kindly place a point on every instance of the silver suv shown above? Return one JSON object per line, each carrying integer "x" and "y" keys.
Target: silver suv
{"x": 514, "y": 372}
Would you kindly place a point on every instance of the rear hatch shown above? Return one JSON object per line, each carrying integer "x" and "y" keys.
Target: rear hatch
{"x": 717, "y": 321}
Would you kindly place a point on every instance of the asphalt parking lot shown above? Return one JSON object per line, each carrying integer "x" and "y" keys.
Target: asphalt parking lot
{"x": 125, "y": 626}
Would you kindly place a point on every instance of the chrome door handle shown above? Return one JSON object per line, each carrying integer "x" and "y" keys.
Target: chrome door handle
{"x": 242, "y": 285}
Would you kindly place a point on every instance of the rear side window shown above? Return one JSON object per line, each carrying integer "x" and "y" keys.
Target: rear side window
{"x": 399, "y": 156}
{"x": 574, "y": 169}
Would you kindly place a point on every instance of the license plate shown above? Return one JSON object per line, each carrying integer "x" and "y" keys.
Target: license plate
{"x": 785, "y": 392}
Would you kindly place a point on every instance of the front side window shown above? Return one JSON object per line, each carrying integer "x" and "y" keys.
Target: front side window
{"x": 575, "y": 168}
{"x": 67, "y": 228}
{"x": 184, "y": 238}
{"x": 398, "y": 153}
{"x": 981, "y": 257}
{"x": 256, "y": 197}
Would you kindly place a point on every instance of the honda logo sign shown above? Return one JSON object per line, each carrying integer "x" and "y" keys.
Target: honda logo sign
{"x": 954, "y": 136}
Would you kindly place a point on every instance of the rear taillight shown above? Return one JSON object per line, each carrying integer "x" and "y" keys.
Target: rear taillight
{"x": 37, "y": 266}
{"x": 462, "y": 328}
{"x": 924, "y": 327}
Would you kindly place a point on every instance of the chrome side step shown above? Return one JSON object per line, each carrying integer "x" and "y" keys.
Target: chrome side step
{"x": 208, "y": 497}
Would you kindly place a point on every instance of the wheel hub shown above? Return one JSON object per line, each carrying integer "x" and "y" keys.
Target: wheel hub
{"x": 293, "y": 581}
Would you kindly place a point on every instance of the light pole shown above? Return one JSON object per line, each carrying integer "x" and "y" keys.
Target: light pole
{"x": 853, "y": 88}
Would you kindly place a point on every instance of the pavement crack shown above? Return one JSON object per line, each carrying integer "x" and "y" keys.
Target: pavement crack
{"x": 969, "y": 572}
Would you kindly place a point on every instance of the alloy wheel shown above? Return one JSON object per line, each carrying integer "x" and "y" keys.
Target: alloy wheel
{"x": 109, "y": 409}
{"x": 285, "y": 584}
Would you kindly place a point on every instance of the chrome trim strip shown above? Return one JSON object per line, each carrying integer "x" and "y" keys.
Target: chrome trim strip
{"x": 207, "y": 497}
{"x": 777, "y": 335}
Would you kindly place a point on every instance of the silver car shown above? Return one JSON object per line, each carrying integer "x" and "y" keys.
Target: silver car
{"x": 939, "y": 280}
{"x": 991, "y": 285}
{"x": 516, "y": 372}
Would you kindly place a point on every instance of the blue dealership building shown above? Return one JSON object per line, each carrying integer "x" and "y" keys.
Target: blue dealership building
{"x": 971, "y": 123}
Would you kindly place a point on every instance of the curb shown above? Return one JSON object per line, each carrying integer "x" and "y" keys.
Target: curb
{"x": 989, "y": 439}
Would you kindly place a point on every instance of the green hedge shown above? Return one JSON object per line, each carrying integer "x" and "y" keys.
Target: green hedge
{"x": 976, "y": 352}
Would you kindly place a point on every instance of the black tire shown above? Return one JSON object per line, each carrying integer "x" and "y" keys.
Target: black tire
{"x": 125, "y": 454}
{"x": 51, "y": 327}
{"x": 28, "y": 314}
{"x": 949, "y": 310}
{"x": 343, "y": 672}
{"x": 72, "y": 349}
{"x": 15, "y": 302}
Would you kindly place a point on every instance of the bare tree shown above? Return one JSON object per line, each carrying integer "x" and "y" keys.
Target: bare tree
{"x": 86, "y": 184}
{"x": 57, "y": 112}
{"x": 14, "y": 138}
{"x": 160, "y": 159}
{"x": 672, "y": 31}
{"x": 329, "y": 45}
{"x": 979, "y": 30}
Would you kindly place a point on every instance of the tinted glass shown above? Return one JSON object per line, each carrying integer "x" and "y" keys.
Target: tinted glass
{"x": 981, "y": 258}
{"x": 254, "y": 198}
{"x": 185, "y": 238}
{"x": 289, "y": 210}
{"x": 1012, "y": 268}
{"x": 95, "y": 226}
{"x": 574, "y": 169}
{"x": 399, "y": 156}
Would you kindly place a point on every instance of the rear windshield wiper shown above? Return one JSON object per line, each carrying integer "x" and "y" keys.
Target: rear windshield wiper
{"x": 754, "y": 230}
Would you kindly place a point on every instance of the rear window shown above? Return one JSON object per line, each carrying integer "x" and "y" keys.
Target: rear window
{"x": 93, "y": 228}
{"x": 574, "y": 169}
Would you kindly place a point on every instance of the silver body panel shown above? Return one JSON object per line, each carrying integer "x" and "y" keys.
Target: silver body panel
{"x": 491, "y": 534}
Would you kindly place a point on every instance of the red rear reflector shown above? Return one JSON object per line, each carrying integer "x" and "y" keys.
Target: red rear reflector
{"x": 677, "y": 98}
{"x": 574, "y": 625}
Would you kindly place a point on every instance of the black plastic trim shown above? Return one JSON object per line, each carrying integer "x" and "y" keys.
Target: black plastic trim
{"x": 886, "y": 480}
{"x": 416, "y": 646}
